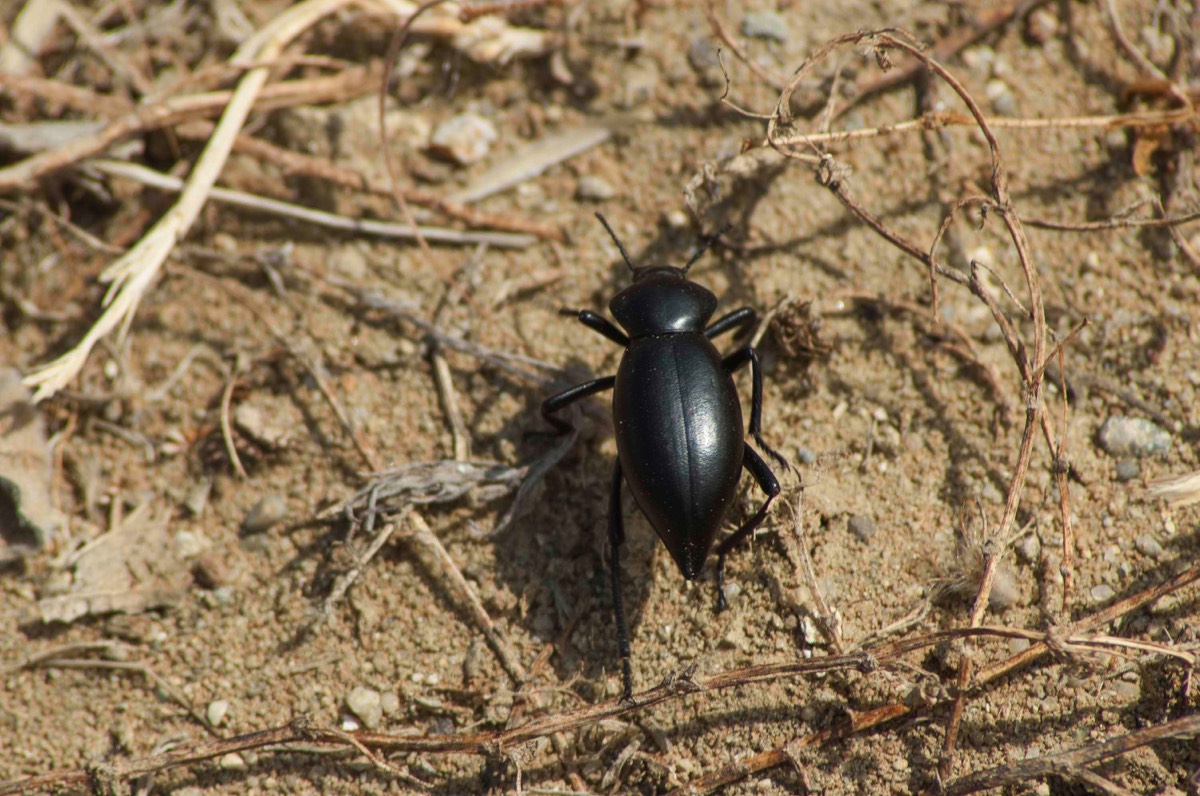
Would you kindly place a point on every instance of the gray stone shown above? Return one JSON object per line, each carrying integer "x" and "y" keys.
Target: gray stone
{"x": 702, "y": 54}
{"x": 1001, "y": 97}
{"x": 265, "y": 513}
{"x": 1102, "y": 593}
{"x": 1028, "y": 549}
{"x": 1147, "y": 545}
{"x": 1126, "y": 437}
{"x": 862, "y": 527}
{"x": 765, "y": 25}
{"x": 1128, "y": 469}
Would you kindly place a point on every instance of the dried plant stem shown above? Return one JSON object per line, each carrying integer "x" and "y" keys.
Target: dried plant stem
{"x": 427, "y": 539}
{"x": 226, "y": 427}
{"x": 870, "y": 720}
{"x": 1028, "y": 362}
{"x": 299, "y": 163}
{"x": 674, "y": 687}
{"x": 321, "y": 218}
{"x": 1070, "y": 763}
{"x": 174, "y": 110}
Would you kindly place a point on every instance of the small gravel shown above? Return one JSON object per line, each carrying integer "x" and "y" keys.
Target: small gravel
{"x": 367, "y": 704}
{"x": 1125, "y": 437}
{"x": 765, "y": 25}
{"x": 465, "y": 138}
{"x": 1128, "y": 469}
{"x": 216, "y": 711}
{"x": 862, "y": 527}
{"x": 1029, "y": 549}
{"x": 1147, "y": 545}
{"x": 1102, "y": 593}
{"x": 591, "y": 188}
{"x": 265, "y": 513}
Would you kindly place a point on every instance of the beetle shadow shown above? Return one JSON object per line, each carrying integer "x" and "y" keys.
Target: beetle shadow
{"x": 554, "y": 559}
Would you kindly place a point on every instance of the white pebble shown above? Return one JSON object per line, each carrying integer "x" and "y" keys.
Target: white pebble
{"x": 215, "y": 713}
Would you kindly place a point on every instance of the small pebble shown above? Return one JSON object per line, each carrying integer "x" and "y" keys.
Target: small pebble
{"x": 732, "y": 591}
{"x": 765, "y": 25}
{"x": 1001, "y": 97}
{"x": 232, "y": 762}
{"x": 1017, "y": 645}
{"x": 1128, "y": 469}
{"x": 1127, "y": 692}
{"x": 862, "y": 527}
{"x": 594, "y": 189}
{"x": 197, "y": 498}
{"x": 809, "y": 631}
{"x": 265, "y": 513}
{"x": 390, "y": 703}
{"x": 1004, "y": 592}
{"x": 1041, "y": 26}
{"x": 267, "y": 427}
{"x": 638, "y": 83}
{"x": 1102, "y": 593}
{"x": 676, "y": 219}
{"x": 702, "y": 55}
{"x": 1133, "y": 437}
{"x": 1029, "y": 549}
{"x": 210, "y": 572}
{"x": 1147, "y": 545}
{"x": 367, "y": 704}
{"x": 465, "y": 138}
{"x": 216, "y": 710}
{"x": 188, "y": 544}
{"x": 805, "y": 456}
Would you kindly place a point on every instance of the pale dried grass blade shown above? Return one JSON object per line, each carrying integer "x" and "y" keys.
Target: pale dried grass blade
{"x": 532, "y": 160}
{"x": 1178, "y": 490}
{"x": 132, "y": 273}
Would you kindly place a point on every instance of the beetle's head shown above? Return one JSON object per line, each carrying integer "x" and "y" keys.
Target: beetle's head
{"x": 661, "y": 299}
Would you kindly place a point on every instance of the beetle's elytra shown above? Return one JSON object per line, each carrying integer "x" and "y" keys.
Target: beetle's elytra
{"x": 678, "y": 421}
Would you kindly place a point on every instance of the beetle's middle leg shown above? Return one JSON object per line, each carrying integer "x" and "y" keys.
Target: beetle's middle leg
{"x": 736, "y": 360}
{"x": 616, "y": 538}
{"x": 770, "y": 484}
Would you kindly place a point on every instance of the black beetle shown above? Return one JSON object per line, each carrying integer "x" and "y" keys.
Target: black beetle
{"x": 678, "y": 421}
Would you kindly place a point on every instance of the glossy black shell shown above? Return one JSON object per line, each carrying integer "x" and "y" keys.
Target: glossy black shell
{"x": 677, "y": 414}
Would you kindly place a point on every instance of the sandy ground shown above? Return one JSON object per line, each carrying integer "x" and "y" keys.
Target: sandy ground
{"x": 905, "y": 435}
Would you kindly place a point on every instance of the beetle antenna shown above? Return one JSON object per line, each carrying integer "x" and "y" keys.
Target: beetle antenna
{"x": 704, "y": 244}
{"x": 617, "y": 241}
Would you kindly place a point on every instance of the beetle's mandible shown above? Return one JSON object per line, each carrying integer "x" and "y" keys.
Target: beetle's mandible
{"x": 678, "y": 421}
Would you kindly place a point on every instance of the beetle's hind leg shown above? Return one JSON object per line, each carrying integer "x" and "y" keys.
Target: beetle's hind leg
{"x": 568, "y": 397}
{"x": 616, "y": 538}
{"x": 770, "y": 484}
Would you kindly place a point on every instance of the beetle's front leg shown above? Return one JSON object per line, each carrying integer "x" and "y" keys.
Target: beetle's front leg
{"x": 568, "y": 397}
{"x": 744, "y": 317}
{"x": 599, "y": 324}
